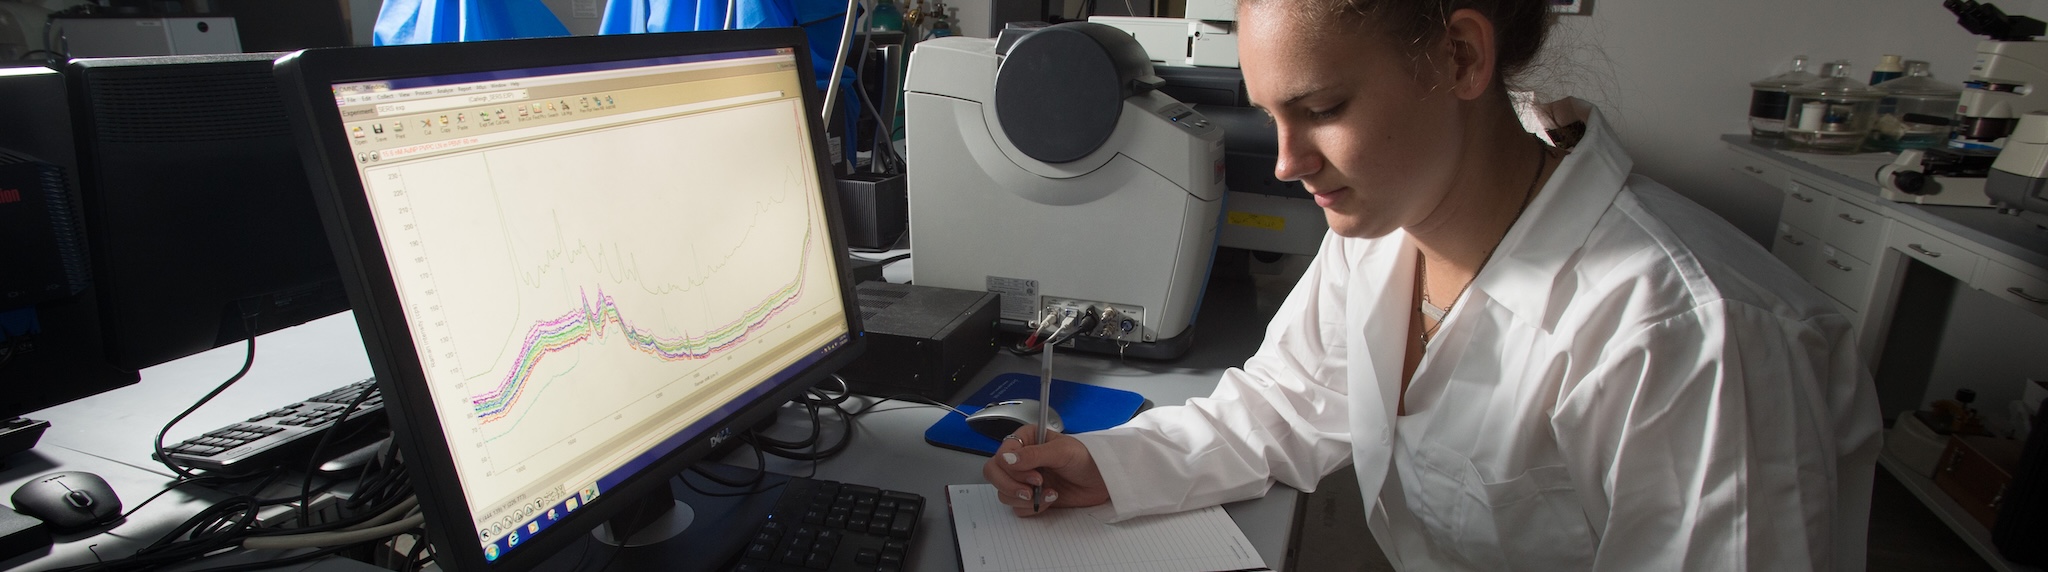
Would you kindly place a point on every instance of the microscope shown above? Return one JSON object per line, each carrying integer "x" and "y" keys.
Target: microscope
{"x": 2018, "y": 181}
{"x": 2002, "y": 88}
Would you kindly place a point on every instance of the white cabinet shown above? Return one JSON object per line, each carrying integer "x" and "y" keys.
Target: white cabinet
{"x": 2021, "y": 289}
{"x": 1948, "y": 257}
{"x": 1828, "y": 241}
{"x": 1834, "y": 231}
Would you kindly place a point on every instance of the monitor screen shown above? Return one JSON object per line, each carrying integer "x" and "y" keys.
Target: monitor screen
{"x": 581, "y": 260}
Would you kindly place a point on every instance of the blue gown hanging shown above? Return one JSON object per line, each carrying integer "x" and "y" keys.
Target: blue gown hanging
{"x": 438, "y": 21}
{"x": 822, "y": 21}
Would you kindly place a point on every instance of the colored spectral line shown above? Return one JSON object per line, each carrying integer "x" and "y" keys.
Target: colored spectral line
{"x": 588, "y": 322}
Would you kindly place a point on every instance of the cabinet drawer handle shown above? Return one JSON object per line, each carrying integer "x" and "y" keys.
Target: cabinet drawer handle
{"x": 1802, "y": 198}
{"x": 1845, "y": 216}
{"x": 2016, "y": 291}
{"x": 1794, "y": 241}
{"x": 1838, "y": 265}
{"x": 1919, "y": 249}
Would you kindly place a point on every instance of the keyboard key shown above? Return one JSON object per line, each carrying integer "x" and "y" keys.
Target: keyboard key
{"x": 905, "y": 523}
{"x": 760, "y": 551}
{"x": 867, "y": 556}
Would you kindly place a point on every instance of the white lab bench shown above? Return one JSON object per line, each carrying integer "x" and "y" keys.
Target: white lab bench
{"x": 1837, "y": 232}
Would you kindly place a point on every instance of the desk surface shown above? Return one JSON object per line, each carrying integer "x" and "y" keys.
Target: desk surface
{"x": 109, "y": 434}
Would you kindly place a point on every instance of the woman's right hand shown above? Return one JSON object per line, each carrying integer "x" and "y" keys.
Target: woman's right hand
{"x": 1062, "y": 464}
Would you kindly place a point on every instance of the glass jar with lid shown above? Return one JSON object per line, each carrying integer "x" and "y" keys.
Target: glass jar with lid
{"x": 1767, "y": 99}
{"x": 1832, "y": 114}
{"x": 1916, "y": 111}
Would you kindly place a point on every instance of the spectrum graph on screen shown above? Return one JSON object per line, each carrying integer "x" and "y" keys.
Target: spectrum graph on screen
{"x": 560, "y": 331}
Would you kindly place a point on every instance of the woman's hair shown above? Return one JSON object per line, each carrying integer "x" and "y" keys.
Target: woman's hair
{"x": 1519, "y": 25}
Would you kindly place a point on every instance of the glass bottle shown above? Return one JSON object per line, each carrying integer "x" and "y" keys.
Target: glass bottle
{"x": 1767, "y": 100}
{"x": 886, "y": 17}
{"x": 1916, "y": 111}
{"x": 1888, "y": 68}
{"x": 1832, "y": 114}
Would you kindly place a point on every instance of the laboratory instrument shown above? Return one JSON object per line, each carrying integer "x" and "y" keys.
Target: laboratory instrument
{"x": 2004, "y": 78}
{"x": 2000, "y": 89}
{"x": 2018, "y": 182}
{"x": 1052, "y": 172}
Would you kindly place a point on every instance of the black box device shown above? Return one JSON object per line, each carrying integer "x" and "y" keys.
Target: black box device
{"x": 921, "y": 339}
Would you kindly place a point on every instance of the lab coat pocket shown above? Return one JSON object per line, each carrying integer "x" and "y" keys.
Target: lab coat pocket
{"x": 1531, "y": 521}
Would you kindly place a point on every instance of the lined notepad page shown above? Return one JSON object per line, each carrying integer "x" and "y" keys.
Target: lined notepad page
{"x": 993, "y": 539}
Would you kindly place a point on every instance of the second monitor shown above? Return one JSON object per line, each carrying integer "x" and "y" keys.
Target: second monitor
{"x": 201, "y": 227}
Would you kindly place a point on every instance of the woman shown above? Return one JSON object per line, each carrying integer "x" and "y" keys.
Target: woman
{"x": 1533, "y": 359}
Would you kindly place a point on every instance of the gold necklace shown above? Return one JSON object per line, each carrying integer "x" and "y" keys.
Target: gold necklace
{"x": 1437, "y": 315}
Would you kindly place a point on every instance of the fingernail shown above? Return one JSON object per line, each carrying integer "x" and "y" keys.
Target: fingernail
{"x": 1010, "y": 458}
{"x": 1035, "y": 480}
{"x": 1025, "y": 495}
{"x": 1051, "y": 496}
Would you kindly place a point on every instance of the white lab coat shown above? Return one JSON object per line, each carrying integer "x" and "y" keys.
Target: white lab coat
{"x": 1631, "y": 384}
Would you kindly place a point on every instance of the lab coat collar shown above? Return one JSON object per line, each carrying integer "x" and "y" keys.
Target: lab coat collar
{"x": 1560, "y": 219}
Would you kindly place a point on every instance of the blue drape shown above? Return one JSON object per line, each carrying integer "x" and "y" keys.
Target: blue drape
{"x": 637, "y": 16}
{"x": 822, "y": 21}
{"x": 437, "y": 21}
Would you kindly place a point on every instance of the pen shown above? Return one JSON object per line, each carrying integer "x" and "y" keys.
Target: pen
{"x": 1044, "y": 413}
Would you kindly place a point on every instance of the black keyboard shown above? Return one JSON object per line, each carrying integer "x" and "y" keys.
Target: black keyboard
{"x": 823, "y": 525}
{"x": 284, "y": 435}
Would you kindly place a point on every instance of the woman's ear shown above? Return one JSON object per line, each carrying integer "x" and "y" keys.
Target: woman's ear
{"x": 1469, "y": 37}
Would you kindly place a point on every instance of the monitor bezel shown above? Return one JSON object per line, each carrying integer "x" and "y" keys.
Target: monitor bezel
{"x": 307, "y": 77}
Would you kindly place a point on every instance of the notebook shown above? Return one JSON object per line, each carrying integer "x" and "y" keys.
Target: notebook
{"x": 1081, "y": 408}
{"x": 993, "y": 539}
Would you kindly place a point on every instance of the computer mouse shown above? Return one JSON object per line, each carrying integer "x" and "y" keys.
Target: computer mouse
{"x": 68, "y": 501}
{"x": 1002, "y": 418}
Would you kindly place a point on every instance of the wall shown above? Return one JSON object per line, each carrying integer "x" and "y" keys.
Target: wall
{"x": 1673, "y": 77}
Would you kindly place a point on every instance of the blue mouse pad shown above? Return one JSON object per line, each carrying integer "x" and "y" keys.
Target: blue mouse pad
{"x": 1081, "y": 407}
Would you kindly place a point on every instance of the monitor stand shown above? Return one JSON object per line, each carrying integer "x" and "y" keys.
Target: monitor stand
{"x": 653, "y": 520}
{"x": 688, "y": 531}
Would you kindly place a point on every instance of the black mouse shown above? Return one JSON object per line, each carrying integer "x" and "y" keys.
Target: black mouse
{"x": 1002, "y": 418}
{"x": 68, "y": 501}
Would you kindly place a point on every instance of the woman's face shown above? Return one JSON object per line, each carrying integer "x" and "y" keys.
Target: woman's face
{"x": 1374, "y": 137}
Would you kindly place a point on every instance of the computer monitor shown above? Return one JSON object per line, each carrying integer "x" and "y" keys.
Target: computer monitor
{"x": 286, "y": 25}
{"x": 201, "y": 227}
{"x": 50, "y": 344}
{"x": 578, "y": 264}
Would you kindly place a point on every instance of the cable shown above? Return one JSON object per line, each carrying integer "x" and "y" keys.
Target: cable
{"x": 885, "y": 148}
{"x": 346, "y": 537}
{"x": 164, "y": 456}
{"x": 760, "y": 470}
{"x": 918, "y": 400}
{"x": 167, "y": 488}
{"x": 281, "y": 562}
{"x": 419, "y": 546}
{"x": 313, "y": 464}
